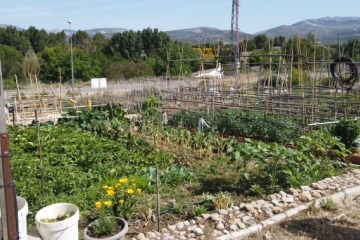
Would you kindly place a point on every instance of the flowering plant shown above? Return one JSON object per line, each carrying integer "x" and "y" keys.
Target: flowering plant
{"x": 118, "y": 200}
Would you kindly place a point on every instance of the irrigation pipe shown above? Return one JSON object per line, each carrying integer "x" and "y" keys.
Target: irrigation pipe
{"x": 337, "y": 198}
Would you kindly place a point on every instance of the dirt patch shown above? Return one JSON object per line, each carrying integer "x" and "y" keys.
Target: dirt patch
{"x": 336, "y": 222}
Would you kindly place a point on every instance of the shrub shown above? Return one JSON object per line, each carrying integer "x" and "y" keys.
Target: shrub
{"x": 348, "y": 130}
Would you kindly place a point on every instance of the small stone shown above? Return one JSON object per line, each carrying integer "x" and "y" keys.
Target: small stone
{"x": 150, "y": 235}
{"x": 282, "y": 193}
{"x": 220, "y": 226}
{"x": 215, "y": 217}
{"x": 305, "y": 188}
{"x": 180, "y": 225}
{"x": 164, "y": 230}
{"x": 172, "y": 227}
{"x": 198, "y": 231}
{"x": 293, "y": 205}
{"x": 235, "y": 208}
{"x": 241, "y": 225}
{"x": 277, "y": 210}
{"x": 305, "y": 196}
{"x": 233, "y": 227}
{"x": 288, "y": 199}
{"x": 249, "y": 208}
{"x": 223, "y": 212}
{"x": 272, "y": 197}
{"x": 206, "y": 216}
{"x": 140, "y": 236}
{"x": 246, "y": 219}
{"x": 316, "y": 194}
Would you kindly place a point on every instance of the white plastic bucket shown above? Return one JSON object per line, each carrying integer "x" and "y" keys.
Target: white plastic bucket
{"x": 23, "y": 211}
{"x": 66, "y": 229}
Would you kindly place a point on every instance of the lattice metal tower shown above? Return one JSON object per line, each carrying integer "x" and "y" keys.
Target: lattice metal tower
{"x": 235, "y": 36}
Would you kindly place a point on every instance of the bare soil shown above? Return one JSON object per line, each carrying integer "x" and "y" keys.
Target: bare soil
{"x": 340, "y": 222}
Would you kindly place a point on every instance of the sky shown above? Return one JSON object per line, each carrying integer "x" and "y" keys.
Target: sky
{"x": 166, "y": 15}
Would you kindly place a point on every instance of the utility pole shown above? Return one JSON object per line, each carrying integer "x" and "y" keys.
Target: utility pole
{"x": 72, "y": 62}
{"x": 9, "y": 215}
{"x": 235, "y": 36}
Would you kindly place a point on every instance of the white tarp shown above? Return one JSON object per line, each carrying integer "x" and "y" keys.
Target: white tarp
{"x": 97, "y": 83}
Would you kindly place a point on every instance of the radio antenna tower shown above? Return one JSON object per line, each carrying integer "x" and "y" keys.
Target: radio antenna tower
{"x": 235, "y": 36}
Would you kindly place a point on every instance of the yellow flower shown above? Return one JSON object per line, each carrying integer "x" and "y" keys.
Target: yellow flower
{"x": 118, "y": 185}
{"x": 121, "y": 201}
{"x": 123, "y": 180}
{"x": 108, "y": 203}
{"x": 138, "y": 191}
{"x": 132, "y": 180}
{"x": 110, "y": 192}
{"x": 134, "y": 184}
{"x": 98, "y": 205}
{"x": 105, "y": 187}
{"x": 130, "y": 191}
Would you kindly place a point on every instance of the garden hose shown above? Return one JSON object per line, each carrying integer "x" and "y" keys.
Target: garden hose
{"x": 344, "y": 72}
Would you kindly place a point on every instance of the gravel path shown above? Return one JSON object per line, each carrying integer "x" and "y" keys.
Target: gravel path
{"x": 257, "y": 217}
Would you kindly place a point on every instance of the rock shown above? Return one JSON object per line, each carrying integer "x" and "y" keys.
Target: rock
{"x": 293, "y": 191}
{"x": 150, "y": 235}
{"x": 140, "y": 236}
{"x": 288, "y": 199}
{"x": 276, "y": 203}
{"x": 246, "y": 219}
{"x": 241, "y": 225}
{"x": 215, "y": 217}
{"x": 319, "y": 186}
{"x": 316, "y": 194}
{"x": 249, "y": 208}
{"x": 198, "y": 231}
{"x": 205, "y": 216}
{"x": 277, "y": 210}
{"x": 305, "y": 188}
{"x": 305, "y": 196}
{"x": 272, "y": 197}
{"x": 233, "y": 227}
{"x": 235, "y": 208}
{"x": 223, "y": 212}
{"x": 220, "y": 226}
{"x": 268, "y": 211}
{"x": 180, "y": 225}
{"x": 282, "y": 193}
{"x": 260, "y": 202}
{"x": 172, "y": 227}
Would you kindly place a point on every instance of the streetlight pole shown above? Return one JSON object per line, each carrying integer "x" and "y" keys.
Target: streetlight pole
{"x": 72, "y": 62}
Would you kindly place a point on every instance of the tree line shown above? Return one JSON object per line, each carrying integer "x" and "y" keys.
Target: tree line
{"x": 146, "y": 53}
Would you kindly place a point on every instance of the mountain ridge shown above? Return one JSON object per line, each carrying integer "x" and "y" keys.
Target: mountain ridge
{"x": 327, "y": 29}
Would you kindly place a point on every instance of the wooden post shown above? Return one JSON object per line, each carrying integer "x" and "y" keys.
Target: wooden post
{"x": 9, "y": 215}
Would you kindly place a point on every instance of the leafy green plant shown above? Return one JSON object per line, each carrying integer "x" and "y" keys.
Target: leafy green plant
{"x": 328, "y": 204}
{"x": 200, "y": 209}
{"x": 257, "y": 190}
{"x": 348, "y": 130}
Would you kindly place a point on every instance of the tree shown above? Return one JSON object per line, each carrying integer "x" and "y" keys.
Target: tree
{"x": 17, "y": 39}
{"x": 37, "y": 38}
{"x": 31, "y": 65}
{"x": 261, "y": 41}
{"x": 11, "y": 60}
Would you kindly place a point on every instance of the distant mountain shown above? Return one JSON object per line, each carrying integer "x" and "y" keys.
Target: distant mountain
{"x": 326, "y": 29}
{"x": 107, "y": 32}
{"x": 203, "y": 35}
